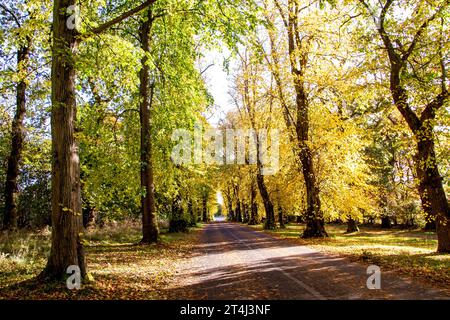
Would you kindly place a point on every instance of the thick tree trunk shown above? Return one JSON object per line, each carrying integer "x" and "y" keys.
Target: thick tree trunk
{"x": 66, "y": 248}
{"x": 89, "y": 216}
{"x": 352, "y": 225}
{"x": 386, "y": 222}
{"x": 431, "y": 190}
{"x": 17, "y": 137}
{"x": 230, "y": 211}
{"x": 238, "y": 210}
{"x": 191, "y": 213}
{"x": 66, "y": 245}
{"x": 205, "y": 217}
{"x": 298, "y": 57}
{"x": 269, "y": 224}
{"x": 280, "y": 217}
{"x": 430, "y": 224}
{"x": 150, "y": 230}
{"x": 315, "y": 224}
{"x": 246, "y": 213}
{"x": 432, "y": 194}
{"x": 253, "y": 205}
{"x": 178, "y": 222}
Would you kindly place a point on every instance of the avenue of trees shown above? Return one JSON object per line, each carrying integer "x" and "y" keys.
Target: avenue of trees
{"x": 91, "y": 91}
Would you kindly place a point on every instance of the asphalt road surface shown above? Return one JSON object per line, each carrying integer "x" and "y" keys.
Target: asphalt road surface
{"x": 235, "y": 262}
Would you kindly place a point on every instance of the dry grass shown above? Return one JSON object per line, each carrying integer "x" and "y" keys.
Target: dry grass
{"x": 121, "y": 268}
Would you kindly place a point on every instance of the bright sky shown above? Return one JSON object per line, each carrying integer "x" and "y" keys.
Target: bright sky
{"x": 218, "y": 85}
{"x": 219, "y": 197}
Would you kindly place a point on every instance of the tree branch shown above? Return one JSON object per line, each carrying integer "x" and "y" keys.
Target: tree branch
{"x": 420, "y": 31}
{"x": 11, "y": 13}
{"x": 430, "y": 110}
{"x": 101, "y": 28}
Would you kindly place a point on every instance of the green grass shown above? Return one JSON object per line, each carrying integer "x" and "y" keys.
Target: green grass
{"x": 411, "y": 252}
{"x": 120, "y": 267}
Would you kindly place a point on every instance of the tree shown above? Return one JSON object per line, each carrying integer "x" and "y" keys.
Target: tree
{"x": 67, "y": 248}
{"x": 405, "y": 55}
{"x": 298, "y": 120}
{"x": 146, "y": 90}
{"x": 249, "y": 89}
{"x": 18, "y": 130}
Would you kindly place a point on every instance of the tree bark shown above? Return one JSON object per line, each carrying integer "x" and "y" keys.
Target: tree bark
{"x": 230, "y": 216}
{"x": 205, "y": 217}
{"x": 246, "y": 215}
{"x": 89, "y": 216}
{"x": 386, "y": 222}
{"x": 150, "y": 230}
{"x": 238, "y": 210}
{"x": 253, "y": 205}
{"x": 17, "y": 137}
{"x": 269, "y": 224}
{"x": 431, "y": 190}
{"x": 191, "y": 213}
{"x": 352, "y": 225}
{"x": 430, "y": 224}
{"x": 280, "y": 217}
{"x": 298, "y": 58}
{"x": 66, "y": 249}
{"x": 66, "y": 245}
{"x": 249, "y": 104}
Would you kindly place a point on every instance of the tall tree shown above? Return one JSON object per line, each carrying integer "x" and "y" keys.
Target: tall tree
{"x": 66, "y": 247}
{"x": 249, "y": 97}
{"x": 17, "y": 128}
{"x": 253, "y": 204}
{"x": 404, "y": 55}
{"x": 146, "y": 90}
{"x": 298, "y": 51}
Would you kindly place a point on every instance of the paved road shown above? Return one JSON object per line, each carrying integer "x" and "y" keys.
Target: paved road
{"x": 235, "y": 262}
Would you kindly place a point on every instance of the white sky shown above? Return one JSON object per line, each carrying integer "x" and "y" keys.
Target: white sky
{"x": 218, "y": 83}
{"x": 219, "y": 197}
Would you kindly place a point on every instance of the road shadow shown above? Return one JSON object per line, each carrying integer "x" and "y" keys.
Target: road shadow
{"x": 278, "y": 269}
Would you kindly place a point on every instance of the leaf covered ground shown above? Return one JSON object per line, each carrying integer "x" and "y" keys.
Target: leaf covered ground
{"x": 409, "y": 252}
{"x": 120, "y": 268}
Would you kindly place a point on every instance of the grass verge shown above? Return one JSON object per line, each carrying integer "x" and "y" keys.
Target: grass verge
{"x": 409, "y": 252}
{"x": 121, "y": 268}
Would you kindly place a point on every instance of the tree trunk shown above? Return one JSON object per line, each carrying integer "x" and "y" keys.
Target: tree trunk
{"x": 431, "y": 190}
{"x": 191, "y": 213}
{"x": 178, "y": 222}
{"x": 432, "y": 194}
{"x": 66, "y": 247}
{"x": 430, "y": 224}
{"x": 386, "y": 222}
{"x": 230, "y": 211}
{"x": 253, "y": 205}
{"x": 89, "y": 216}
{"x": 17, "y": 137}
{"x": 205, "y": 217}
{"x": 246, "y": 215}
{"x": 315, "y": 224}
{"x": 269, "y": 224}
{"x": 150, "y": 230}
{"x": 352, "y": 225}
{"x": 280, "y": 217}
{"x": 238, "y": 210}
